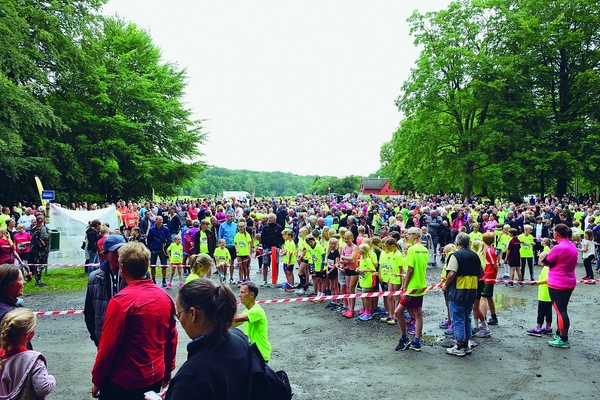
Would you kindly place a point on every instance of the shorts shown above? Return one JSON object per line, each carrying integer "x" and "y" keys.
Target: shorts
{"x": 446, "y": 296}
{"x": 321, "y": 274}
{"x": 488, "y": 290}
{"x": 266, "y": 259}
{"x": 480, "y": 285}
{"x": 384, "y": 286}
{"x": 350, "y": 272}
{"x": 311, "y": 269}
{"x": 368, "y": 290}
{"x": 333, "y": 274}
{"x": 514, "y": 264}
{"x": 412, "y": 301}
{"x": 342, "y": 278}
{"x": 288, "y": 267}
{"x": 232, "y": 252}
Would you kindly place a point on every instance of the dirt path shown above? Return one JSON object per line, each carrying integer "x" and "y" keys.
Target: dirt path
{"x": 330, "y": 357}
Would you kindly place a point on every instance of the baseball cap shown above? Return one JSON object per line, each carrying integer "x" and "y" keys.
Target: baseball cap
{"x": 113, "y": 242}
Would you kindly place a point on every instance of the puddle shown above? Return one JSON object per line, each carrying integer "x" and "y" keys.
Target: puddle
{"x": 504, "y": 302}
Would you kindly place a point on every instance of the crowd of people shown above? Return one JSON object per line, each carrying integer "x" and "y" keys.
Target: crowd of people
{"x": 324, "y": 246}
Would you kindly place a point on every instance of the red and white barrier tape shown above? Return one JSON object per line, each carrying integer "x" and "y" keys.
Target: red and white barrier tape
{"x": 290, "y": 300}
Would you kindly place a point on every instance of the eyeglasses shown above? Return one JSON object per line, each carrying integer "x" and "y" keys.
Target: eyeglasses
{"x": 177, "y": 315}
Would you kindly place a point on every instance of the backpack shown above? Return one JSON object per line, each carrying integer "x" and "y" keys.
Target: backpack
{"x": 41, "y": 241}
{"x": 265, "y": 384}
{"x": 188, "y": 242}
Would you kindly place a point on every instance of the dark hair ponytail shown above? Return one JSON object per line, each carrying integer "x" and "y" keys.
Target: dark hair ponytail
{"x": 217, "y": 304}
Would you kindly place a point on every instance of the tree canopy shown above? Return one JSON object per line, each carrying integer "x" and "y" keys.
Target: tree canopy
{"x": 89, "y": 105}
{"x": 503, "y": 99}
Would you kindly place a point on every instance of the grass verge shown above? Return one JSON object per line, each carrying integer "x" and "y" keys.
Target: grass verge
{"x": 60, "y": 280}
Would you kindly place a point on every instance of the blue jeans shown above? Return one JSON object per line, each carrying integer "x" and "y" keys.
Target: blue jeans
{"x": 435, "y": 240}
{"x": 461, "y": 320}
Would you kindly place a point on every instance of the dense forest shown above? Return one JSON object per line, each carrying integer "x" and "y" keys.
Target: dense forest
{"x": 504, "y": 98}
{"x": 215, "y": 180}
{"x": 88, "y": 105}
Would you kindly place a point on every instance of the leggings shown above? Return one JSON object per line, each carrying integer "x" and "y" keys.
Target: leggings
{"x": 544, "y": 312}
{"x": 587, "y": 263}
{"x": 529, "y": 264}
{"x": 560, "y": 300}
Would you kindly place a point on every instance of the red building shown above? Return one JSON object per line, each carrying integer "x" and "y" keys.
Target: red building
{"x": 378, "y": 187}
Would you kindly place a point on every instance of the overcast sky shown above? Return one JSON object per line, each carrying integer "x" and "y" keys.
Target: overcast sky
{"x": 306, "y": 87}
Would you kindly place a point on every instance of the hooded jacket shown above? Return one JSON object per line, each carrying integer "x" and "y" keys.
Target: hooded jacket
{"x": 24, "y": 376}
{"x": 102, "y": 286}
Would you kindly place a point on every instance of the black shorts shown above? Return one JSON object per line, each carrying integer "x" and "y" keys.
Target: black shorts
{"x": 321, "y": 275}
{"x": 488, "y": 290}
{"x": 384, "y": 286}
{"x": 480, "y": 285}
{"x": 350, "y": 272}
{"x": 311, "y": 270}
{"x": 333, "y": 274}
{"x": 232, "y": 252}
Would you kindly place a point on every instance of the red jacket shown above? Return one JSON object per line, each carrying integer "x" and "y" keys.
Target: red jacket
{"x": 139, "y": 337}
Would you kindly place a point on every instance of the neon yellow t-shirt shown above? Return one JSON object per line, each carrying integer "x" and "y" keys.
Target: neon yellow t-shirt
{"x": 526, "y": 250}
{"x": 290, "y": 247}
{"x": 222, "y": 255}
{"x": 503, "y": 242}
{"x": 242, "y": 243}
{"x": 315, "y": 256}
{"x": 543, "y": 292}
{"x": 366, "y": 278}
{"x": 203, "y": 242}
{"x": 257, "y": 330}
{"x": 475, "y": 236}
{"x": 417, "y": 258}
{"x": 176, "y": 252}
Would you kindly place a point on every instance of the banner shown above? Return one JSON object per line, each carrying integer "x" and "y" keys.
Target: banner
{"x": 72, "y": 226}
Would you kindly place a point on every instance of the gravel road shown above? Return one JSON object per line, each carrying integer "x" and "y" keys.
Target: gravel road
{"x": 330, "y": 357}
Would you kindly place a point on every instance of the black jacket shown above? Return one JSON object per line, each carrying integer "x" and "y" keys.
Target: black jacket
{"x": 211, "y": 241}
{"x": 271, "y": 236}
{"x": 213, "y": 373}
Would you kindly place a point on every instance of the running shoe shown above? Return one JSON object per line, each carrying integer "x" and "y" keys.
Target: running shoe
{"x": 415, "y": 346}
{"x": 392, "y": 321}
{"x": 403, "y": 344}
{"x": 410, "y": 321}
{"x": 180, "y": 285}
{"x": 492, "y": 321}
{"x": 361, "y": 311}
{"x": 406, "y": 315}
{"x": 537, "y": 332}
{"x": 410, "y": 329}
{"x": 384, "y": 317}
{"x": 285, "y": 286}
{"x": 289, "y": 289}
{"x": 449, "y": 331}
{"x": 379, "y": 310}
{"x": 484, "y": 333}
{"x": 343, "y": 310}
{"x": 300, "y": 292}
{"x": 164, "y": 283}
{"x": 231, "y": 281}
{"x": 559, "y": 343}
{"x": 467, "y": 349}
{"x": 456, "y": 351}
{"x": 365, "y": 317}
{"x": 444, "y": 325}
{"x": 547, "y": 330}
{"x": 169, "y": 286}
{"x": 349, "y": 314}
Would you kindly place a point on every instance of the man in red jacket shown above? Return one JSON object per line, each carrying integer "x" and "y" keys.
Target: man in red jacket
{"x": 137, "y": 348}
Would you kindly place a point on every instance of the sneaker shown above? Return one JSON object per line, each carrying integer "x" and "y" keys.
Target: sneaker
{"x": 537, "y": 332}
{"x": 264, "y": 284}
{"x": 289, "y": 289}
{"x": 403, "y": 344}
{"x": 384, "y": 317}
{"x": 181, "y": 285}
{"x": 456, "y": 351}
{"x": 365, "y": 317}
{"x": 361, "y": 311}
{"x": 231, "y": 281}
{"x": 444, "y": 325}
{"x": 415, "y": 346}
{"x": 392, "y": 321}
{"x": 483, "y": 333}
{"x": 556, "y": 335}
{"x": 546, "y": 331}
{"x": 164, "y": 283}
{"x": 449, "y": 331}
{"x": 379, "y": 310}
{"x": 300, "y": 292}
{"x": 259, "y": 271}
{"x": 154, "y": 281}
{"x": 349, "y": 314}
{"x": 410, "y": 321}
{"x": 169, "y": 286}
{"x": 492, "y": 321}
{"x": 343, "y": 310}
{"x": 410, "y": 329}
{"x": 467, "y": 349}
{"x": 561, "y": 344}
{"x": 285, "y": 286}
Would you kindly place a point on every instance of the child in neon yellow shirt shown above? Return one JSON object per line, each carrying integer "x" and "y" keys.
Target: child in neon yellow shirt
{"x": 175, "y": 253}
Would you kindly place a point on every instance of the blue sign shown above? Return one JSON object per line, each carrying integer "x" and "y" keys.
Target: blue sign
{"x": 47, "y": 194}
